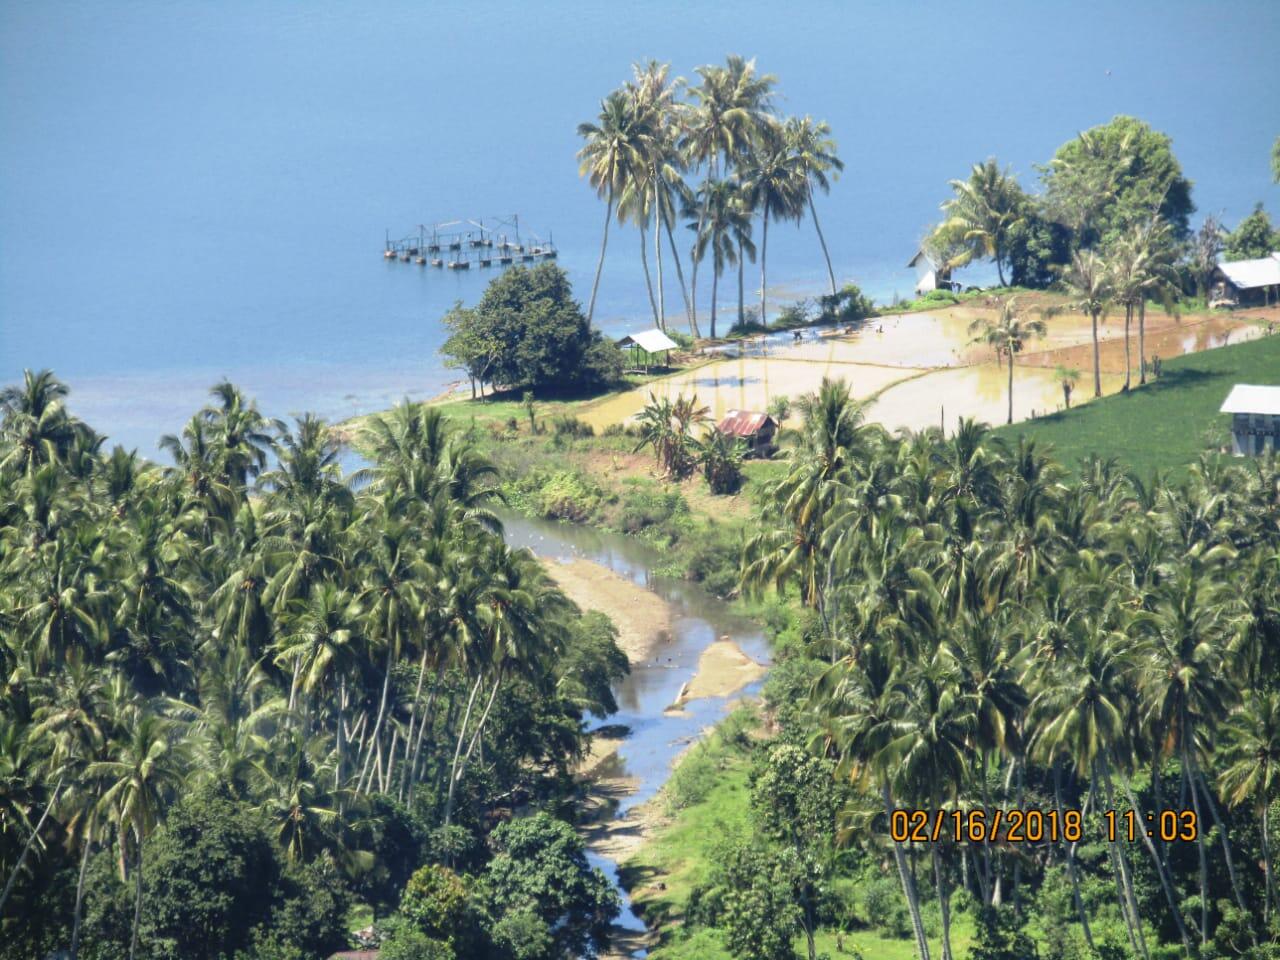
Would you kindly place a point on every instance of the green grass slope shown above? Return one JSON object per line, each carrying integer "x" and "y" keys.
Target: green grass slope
{"x": 1166, "y": 424}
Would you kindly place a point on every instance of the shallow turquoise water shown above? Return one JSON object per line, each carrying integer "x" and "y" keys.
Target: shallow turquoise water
{"x": 193, "y": 190}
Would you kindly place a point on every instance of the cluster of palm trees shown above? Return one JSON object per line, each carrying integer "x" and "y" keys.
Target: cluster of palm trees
{"x": 747, "y": 164}
{"x": 1126, "y": 272}
{"x": 1003, "y": 633}
{"x": 251, "y": 617}
{"x": 667, "y": 427}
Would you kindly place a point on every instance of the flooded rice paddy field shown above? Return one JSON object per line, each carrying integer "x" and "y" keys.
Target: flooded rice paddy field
{"x": 919, "y": 369}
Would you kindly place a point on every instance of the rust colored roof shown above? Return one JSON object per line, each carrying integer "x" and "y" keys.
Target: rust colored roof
{"x": 355, "y": 955}
{"x": 744, "y": 423}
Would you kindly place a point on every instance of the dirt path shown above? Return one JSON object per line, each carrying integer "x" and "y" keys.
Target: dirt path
{"x": 641, "y": 616}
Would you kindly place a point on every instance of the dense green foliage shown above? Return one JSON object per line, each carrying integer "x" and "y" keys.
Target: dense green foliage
{"x": 1252, "y": 238}
{"x": 245, "y": 691}
{"x": 528, "y": 331}
{"x": 997, "y": 633}
{"x": 1114, "y": 177}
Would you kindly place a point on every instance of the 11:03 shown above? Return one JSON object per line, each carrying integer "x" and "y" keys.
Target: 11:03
{"x": 1169, "y": 826}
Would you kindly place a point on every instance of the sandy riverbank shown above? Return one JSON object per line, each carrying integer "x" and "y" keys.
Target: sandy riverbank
{"x": 643, "y": 619}
{"x": 723, "y": 670}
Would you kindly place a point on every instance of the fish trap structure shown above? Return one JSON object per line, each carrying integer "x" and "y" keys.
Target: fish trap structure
{"x": 464, "y": 244}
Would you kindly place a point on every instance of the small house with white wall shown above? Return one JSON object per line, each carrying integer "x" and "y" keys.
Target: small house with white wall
{"x": 1247, "y": 283}
{"x": 1255, "y": 419}
{"x": 928, "y": 276}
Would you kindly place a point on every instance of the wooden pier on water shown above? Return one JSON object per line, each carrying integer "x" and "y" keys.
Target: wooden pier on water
{"x": 462, "y": 244}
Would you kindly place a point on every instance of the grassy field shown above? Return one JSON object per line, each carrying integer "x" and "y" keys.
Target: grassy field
{"x": 1166, "y": 424}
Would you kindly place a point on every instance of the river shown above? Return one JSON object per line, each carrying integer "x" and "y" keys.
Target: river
{"x": 656, "y": 737}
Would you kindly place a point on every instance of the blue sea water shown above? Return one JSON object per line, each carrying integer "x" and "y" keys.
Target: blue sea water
{"x": 192, "y": 190}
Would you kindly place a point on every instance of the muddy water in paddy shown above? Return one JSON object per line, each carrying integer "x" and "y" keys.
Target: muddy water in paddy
{"x": 643, "y": 760}
{"x": 913, "y": 365}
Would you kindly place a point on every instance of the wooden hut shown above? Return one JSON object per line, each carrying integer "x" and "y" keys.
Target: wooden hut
{"x": 757, "y": 430}
{"x": 1247, "y": 283}
{"x": 1255, "y": 419}
{"x": 646, "y": 345}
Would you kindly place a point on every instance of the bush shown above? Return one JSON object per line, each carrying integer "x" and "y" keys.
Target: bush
{"x": 570, "y": 426}
{"x": 643, "y": 509}
{"x": 711, "y": 559}
{"x": 885, "y": 909}
{"x": 847, "y": 305}
{"x": 434, "y": 900}
{"x": 402, "y": 940}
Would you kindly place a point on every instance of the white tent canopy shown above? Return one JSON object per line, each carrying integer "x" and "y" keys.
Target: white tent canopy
{"x": 650, "y": 341}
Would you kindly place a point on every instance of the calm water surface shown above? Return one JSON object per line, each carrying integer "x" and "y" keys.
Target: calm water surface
{"x": 191, "y": 190}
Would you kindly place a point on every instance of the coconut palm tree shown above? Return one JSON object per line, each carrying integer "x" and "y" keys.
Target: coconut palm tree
{"x": 34, "y": 422}
{"x": 730, "y": 106}
{"x": 145, "y": 765}
{"x": 744, "y": 242}
{"x": 720, "y": 219}
{"x": 1252, "y": 770}
{"x": 1068, "y": 377}
{"x": 815, "y": 151}
{"x": 777, "y": 186}
{"x": 1008, "y": 335}
{"x": 1088, "y": 285}
{"x": 985, "y": 208}
{"x": 613, "y": 155}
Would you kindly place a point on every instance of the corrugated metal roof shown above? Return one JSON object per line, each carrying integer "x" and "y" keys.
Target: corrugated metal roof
{"x": 1251, "y": 398}
{"x": 744, "y": 423}
{"x": 650, "y": 341}
{"x": 1248, "y": 274}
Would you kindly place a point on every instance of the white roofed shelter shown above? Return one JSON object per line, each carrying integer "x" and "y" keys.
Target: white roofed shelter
{"x": 1255, "y": 419}
{"x": 646, "y": 345}
{"x": 1248, "y": 282}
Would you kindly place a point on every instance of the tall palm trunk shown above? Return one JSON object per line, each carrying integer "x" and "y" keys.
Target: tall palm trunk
{"x": 684, "y": 292}
{"x": 657, "y": 252}
{"x": 813, "y": 212}
{"x": 1097, "y": 359}
{"x": 1161, "y": 872}
{"x": 1119, "y": 874}
{"x": 944, "y": 902}
{"x": 375, "y": 747}
{"x": 604, "y": 244}
{"x": 137, "y": 902}
{"x": 648, "y": 282}
{"x": 1128, "y": 319}
{"x": 342, "y": 712}
{"x": 693, "y": 273}
{"x": 715, "y": 283}
{"x": 457, "y": 753}
{"x": 1222, "y": 833}
{"x": 1010, "y": 420}
{"x": 1072, "y": 872}
{"x": 26, "y": 847}
{"x": 413, "y": 709}
{"x": 1142, "y": 340}
{"x": 908, "y": 882}
{"x": 764, "y": 256}
{"x": 1204, "y": 862}
{"x": 742, "y": 269}
{"x": 1266, "y": 864}
{"x": 79, "y": 908}
{"x": 427, "y": 719}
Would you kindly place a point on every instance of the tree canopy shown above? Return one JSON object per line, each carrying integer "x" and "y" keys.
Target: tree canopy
{"x": 528, "y": 331}
{"x": 1252, "y": 238}
{"x": 1115, "y": 176}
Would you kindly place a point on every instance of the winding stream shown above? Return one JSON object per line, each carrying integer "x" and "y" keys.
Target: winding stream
{"x": 697, "y": 619}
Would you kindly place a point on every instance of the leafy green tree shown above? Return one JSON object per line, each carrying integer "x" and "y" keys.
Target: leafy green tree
{"x": 1002, "y": 935}
{"x": 434, "y": 901}
{"x": 1253, "y": 238}
{"x": 212, "y": 872}
{"x": 540, "y": 867}
{"x": 1037, "y": 248}
{"x": 721, "y": 457}
{"x": 1114, "y": 177}
{"x": 761, "y": 895}
{"x": 527, "y": 330}
{"x": 795, "y": 800}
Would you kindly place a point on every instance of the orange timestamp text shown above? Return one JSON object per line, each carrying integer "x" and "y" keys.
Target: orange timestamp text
{"x": 1038, "y": 826}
